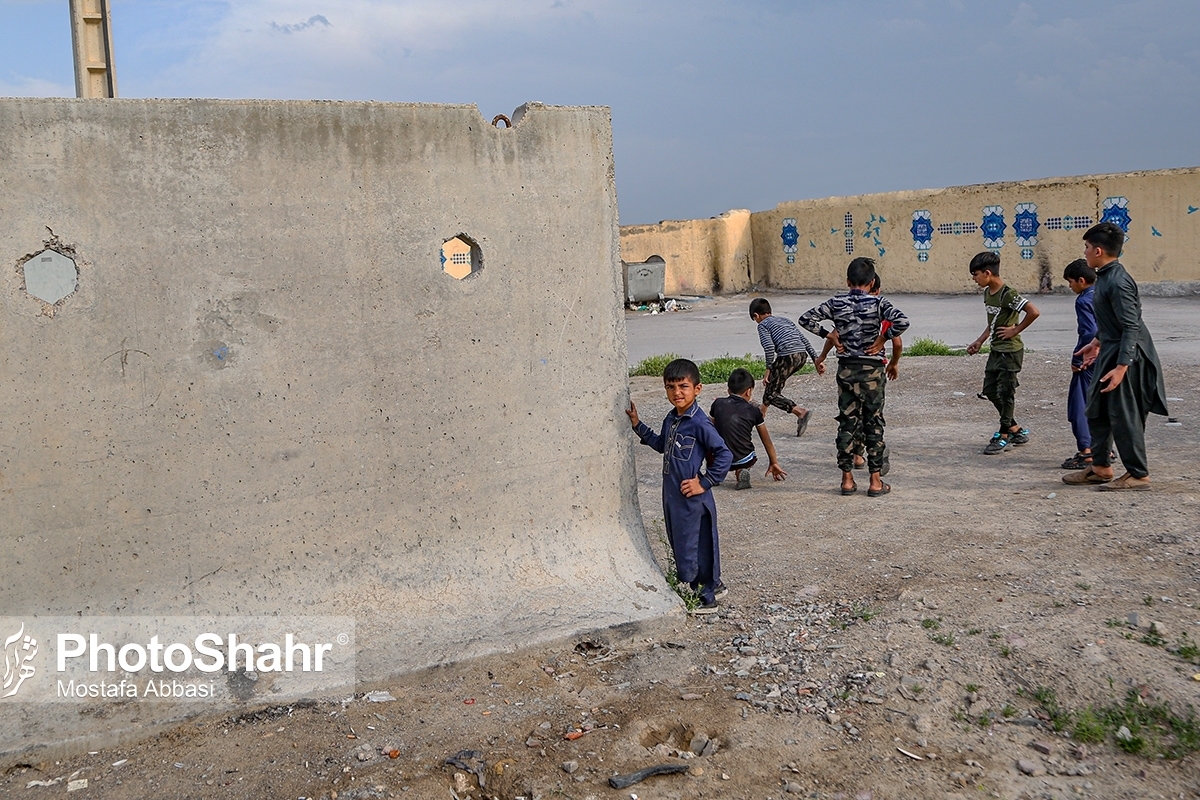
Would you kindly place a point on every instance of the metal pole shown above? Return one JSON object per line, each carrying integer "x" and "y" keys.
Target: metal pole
{"x": 91, "y": 39}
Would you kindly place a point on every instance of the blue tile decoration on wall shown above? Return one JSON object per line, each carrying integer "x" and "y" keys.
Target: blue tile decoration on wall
{"x": 873, "y": 233}
{"x": 1027, "y": 253}
{"x": 790, "y": 235}
{"x": 1154, "y": 231}
{"x": 993, "y": 227}
{"x": 1116, "y": 210}
{"x": 848, "y": 232}
{"x": 1025, "y": 224}
{"x": 922, "y": 231}
{"x": 1069, "y": 223}
{"x": 923, "y": 255}
{"x": 811, "y": 243}
{"x": 1192, "y": 209}
{"x": 956, "y": 228}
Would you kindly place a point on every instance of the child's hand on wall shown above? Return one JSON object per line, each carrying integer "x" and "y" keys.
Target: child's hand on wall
{"x": 631, "y": 412}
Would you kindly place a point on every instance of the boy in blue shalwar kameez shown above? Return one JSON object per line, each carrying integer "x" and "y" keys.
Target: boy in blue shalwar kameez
{"x": 687, "y": 439}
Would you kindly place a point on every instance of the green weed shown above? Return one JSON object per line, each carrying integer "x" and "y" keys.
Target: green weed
{"x": 930, "y": 624}
{"x": 944, "y": 639}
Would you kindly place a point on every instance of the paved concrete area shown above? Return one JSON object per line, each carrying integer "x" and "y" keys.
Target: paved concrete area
{"x": 717, "y": 326}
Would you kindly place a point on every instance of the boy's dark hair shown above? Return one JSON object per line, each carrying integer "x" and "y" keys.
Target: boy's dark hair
{"x": 986, "y": 260}
{"x": 1079, "y": 269}
{"x": 876, "y": 283}
{"x": 1107, "y": 236}
{"x": 860, "y": 272}
{"x": 760, "y": 305}
{"x": 681, "y": 368}
{"x": 740, "y": 380}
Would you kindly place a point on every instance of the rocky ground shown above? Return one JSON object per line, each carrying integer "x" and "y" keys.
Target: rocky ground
{"x": 944, "y": 641}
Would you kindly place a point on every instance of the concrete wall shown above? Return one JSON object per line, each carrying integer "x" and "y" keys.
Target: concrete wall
{"x": 267, "y": 397}
{"x": 703, "y": 256}
{"x": 1160, "y": 210}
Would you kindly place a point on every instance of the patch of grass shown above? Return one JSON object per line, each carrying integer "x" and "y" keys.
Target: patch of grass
{"x": 716, "y": 371}
{"x": 1083, "y": 586}
{"x": 972, "y": 688}
{"x": 1148, "y": 600}
{"x": 1059, "y": 604}
{"x": 653, "y": 366}
{"x": 1005, "y": 651}
{"x": 1009, "y": 711}
{"x": 930, "y": 624}
{"x": 865, "y": 613}
{"x": 995, "y": 635}
{"x": 1187, "y": 649}
{"x": 974, "y": 631}
{"x": 925, "y": 346}
{"x": 1153, "y": 639}
{"x": 1136, "y": 725}
{"x": 1088, "y": 727}
{"x": 944, "y": 639}
{"x": 1115, "y": 623}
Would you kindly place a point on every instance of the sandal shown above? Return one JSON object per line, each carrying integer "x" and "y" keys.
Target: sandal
{"x": 1078, "y": 461}
{"x": 880, "y": 492}
{"x": 1086, "y": 476}
{"x": 849, "y": 490}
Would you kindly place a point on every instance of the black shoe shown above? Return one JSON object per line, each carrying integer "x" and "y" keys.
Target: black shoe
{"x": 802, "y": 422}
{"x": 705, "y": 608}
{"x": 1019, "y": 436}
{"x": 720, "y": 590}
{"x": 743, "y": 480}
{"x": 998, "y": 444}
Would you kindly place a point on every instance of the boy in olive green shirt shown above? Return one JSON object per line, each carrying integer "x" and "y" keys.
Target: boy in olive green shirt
{"x": 1008, "y": 314}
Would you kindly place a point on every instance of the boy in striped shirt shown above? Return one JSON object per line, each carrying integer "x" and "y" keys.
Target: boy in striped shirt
{"x": 785, "y": 349}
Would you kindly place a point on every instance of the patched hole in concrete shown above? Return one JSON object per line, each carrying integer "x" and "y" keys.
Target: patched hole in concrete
{"x": 50, "y": 276}
{"x": 461, "y": 257}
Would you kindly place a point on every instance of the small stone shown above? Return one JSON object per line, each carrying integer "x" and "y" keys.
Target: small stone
{"x": 1137, "y": 620}
{"x": 545, "y": 726}
{"x": 698, "y": 743}
{"x": 1159, "y": 628}
{"x": 690, "y": 696}
{"x": 793, "y": 788}
{"x": 1124, "y": 734}
{"x": 569, "y": 767}
{"x": 532, "y": 742}
{"x": 462, "y": 784}
{"x": 1044, "y": 748}
{"x": 364, "y": 756}
{"x": 1031, "y": 768}
{"x": 695, "y": 770}
{"x": 832, "y": 718}
{"x": 922, "y": 724}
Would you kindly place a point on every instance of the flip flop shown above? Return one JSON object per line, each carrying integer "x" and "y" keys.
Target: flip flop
{"x": 1084, "y": 477}
{"x": 880, "y": 492}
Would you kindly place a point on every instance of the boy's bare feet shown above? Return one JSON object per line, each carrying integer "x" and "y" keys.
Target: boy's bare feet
{"x": 848, "y": 484}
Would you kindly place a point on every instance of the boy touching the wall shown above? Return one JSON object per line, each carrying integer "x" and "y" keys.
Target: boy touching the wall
{"x": 687, "y": 440}
{"x": 1008, "y": 314}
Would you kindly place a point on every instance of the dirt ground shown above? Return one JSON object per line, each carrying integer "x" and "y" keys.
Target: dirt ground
{"x": 898, "y": 647}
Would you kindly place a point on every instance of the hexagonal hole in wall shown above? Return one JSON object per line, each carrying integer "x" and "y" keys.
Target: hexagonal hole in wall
{"x": 461, "y": 257}
{"x": 50, "y": 276}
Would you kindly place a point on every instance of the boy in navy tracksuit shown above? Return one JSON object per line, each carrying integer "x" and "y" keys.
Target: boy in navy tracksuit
{"x": 689, "y": 511}
{"x": 1082, "y": 280}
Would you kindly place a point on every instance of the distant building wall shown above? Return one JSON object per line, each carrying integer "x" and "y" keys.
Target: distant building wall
{"x": 354, "y": 359}
{"x": 703, "y": 256}
{"x": 923, "y": 240}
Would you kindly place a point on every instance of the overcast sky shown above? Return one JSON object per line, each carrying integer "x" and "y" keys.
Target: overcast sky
{"x": 716, "y": 104}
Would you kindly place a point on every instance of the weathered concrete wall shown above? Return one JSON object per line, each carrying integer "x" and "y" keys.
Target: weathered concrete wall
{"x": 703, "y": 256}
{"x": 1159, "y": 210}
{"x": 267, "y": 397}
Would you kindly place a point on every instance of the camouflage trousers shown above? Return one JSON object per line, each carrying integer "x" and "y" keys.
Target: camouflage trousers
{"x": 861, "y": 384}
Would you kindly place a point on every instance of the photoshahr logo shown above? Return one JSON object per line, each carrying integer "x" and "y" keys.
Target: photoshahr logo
{"x": 19, "y": 650}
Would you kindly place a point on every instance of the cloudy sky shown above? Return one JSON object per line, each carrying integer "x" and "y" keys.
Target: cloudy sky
{"x": 716, "y": 104}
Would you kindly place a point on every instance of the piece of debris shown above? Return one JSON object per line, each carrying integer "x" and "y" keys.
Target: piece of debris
{"x": 624, "y": 781}
{"x": 913, "y": 756}
{"x": 380, "y": 696}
